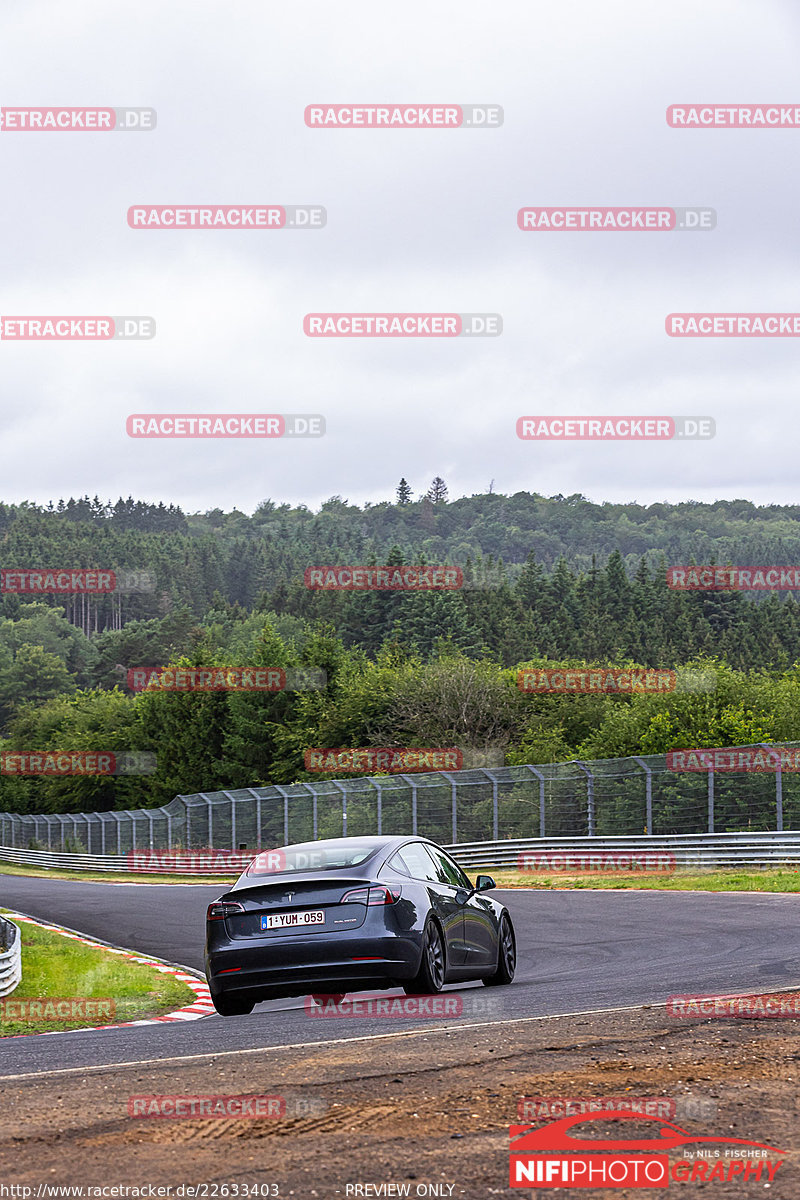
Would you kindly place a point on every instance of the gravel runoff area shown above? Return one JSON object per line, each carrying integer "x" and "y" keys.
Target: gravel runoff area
{"x": 422, "y": 1109}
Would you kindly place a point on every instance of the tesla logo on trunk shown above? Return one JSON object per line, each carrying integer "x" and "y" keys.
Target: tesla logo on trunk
{"x": 289, "y": 896}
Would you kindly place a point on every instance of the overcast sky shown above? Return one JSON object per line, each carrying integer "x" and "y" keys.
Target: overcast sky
{"x": 418, "y": 220}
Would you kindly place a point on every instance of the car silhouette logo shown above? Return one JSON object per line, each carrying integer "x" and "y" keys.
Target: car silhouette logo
{"x": 556, "y": 1136}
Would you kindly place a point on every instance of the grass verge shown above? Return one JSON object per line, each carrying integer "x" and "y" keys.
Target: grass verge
{"x": 734, "y": 879}
{"x": 751, "y": 879}
{"x": 57, "y": 967}
{"x": 114, "y": 876}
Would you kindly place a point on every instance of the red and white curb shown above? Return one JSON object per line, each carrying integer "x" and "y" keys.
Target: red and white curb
{"x": 201, "y": 1007}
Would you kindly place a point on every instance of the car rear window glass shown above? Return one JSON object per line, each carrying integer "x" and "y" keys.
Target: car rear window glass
{"x": 308, "y": 858}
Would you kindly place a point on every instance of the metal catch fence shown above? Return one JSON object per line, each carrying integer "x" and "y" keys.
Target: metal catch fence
{"x": 619, "y": 797}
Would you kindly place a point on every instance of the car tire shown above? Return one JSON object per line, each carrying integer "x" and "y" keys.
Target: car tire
{"x": 429, "y": 980}
{"x": 506, "y": 955}
{"x": 232, "y": 1006}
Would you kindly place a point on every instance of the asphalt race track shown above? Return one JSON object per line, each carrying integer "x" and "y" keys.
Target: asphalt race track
{"x": 578, "y": 951}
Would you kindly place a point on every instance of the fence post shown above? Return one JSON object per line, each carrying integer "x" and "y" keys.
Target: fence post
{"x": 711, "y": 800}
{"x": 648, "y": 792}
{"x": 233, "y": 819}
{"x": 169, "y": 828}
{"x": 589, "y": 797}
{"x": 118, "y": 819}
{"x": 490, "y": 775}
{"x": 343, "y": 790}
{"x": 187, "y": 807}
{"x": 285, "y": 795}
{"x": 150, "y": 820}
{"x": 257, "y": 799}
{"x": 412, "y": 783}
{"x": 210, "y": 820}
{"x": 379, "y": 790}
{"x": 453, "y": 805}
{"x": 540, "y": 777}
{"x": 778, "y": 787}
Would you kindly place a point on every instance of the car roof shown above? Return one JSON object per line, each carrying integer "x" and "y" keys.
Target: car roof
{"x": 373, "y": 842}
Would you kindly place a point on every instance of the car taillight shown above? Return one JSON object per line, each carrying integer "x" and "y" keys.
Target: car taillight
{"x": 219, "y": 911}
{"x": 372, "y": 895}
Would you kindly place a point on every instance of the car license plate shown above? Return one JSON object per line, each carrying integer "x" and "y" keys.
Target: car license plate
{"x": 314, "y": 919}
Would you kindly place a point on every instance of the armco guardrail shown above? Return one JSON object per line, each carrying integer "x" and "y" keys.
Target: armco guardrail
{"x": 10, "y": 957}
{"x": 225, "y": 863}
{"x": 689, "y": 850}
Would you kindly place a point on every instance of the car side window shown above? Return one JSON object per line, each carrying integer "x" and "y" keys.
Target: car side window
{"x": 395, "y": 863}
{"x": 417, "y": 862}
{"x": 447, "y": 871}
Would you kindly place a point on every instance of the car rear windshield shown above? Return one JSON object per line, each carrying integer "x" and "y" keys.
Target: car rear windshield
{"x": 308, "y": 858}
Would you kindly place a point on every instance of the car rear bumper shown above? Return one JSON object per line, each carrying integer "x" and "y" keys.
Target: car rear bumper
{"x": 294, "y": 967}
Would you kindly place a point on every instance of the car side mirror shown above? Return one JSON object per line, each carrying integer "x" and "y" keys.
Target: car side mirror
{"x": 484, "y": 883}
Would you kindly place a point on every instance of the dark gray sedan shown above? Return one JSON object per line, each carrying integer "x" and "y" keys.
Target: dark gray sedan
{"x": 352, "y": 914}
